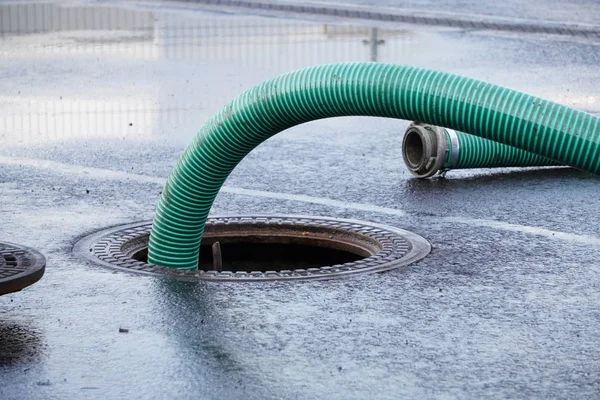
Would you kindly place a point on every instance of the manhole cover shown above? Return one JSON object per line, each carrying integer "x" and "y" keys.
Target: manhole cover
{"x": 261, "y": 248}
{"x": 19, "y": 267}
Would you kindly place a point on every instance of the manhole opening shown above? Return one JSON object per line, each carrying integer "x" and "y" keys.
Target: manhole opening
{"x": 265, "y": 248}
{"x": 272, "y": 253}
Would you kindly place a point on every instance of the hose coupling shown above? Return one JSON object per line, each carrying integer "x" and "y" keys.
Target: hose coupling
{"x": 429, "y": 149}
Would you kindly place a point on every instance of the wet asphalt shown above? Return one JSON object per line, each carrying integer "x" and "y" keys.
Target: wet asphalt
{"x": 95, "y": 109}
{"x": 562, "y": 11}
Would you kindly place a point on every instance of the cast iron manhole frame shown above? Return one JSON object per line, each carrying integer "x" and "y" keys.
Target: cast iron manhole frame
{"x": 20, "y": 266}
{"x": 113, "y": 247}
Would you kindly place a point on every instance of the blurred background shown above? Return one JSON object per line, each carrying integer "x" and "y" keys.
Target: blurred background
{"x": 101, "y": 69}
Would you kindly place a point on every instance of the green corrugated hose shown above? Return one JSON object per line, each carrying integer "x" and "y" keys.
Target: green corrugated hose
{"x": 430, "y": 149}
{"x": 561, "y": 133}
{"x": 476, "y": 152}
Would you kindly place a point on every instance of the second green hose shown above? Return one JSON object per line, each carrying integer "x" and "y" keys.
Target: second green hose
{"x": 430, "y": 149}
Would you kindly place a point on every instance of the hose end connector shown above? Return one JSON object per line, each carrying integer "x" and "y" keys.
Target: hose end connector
{"x": 425, "y": 149}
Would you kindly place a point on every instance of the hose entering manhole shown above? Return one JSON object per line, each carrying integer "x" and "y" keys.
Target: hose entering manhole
{"x": 506, "y": 116}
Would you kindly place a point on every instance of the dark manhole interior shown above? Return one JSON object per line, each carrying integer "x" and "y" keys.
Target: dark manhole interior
{"x": 266, "y": 248}
{"x": 254, "y": 254}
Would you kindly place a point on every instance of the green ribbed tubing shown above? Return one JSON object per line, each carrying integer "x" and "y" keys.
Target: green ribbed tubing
{"x": 477, "y": 152}
{"x": 503, "y": 115}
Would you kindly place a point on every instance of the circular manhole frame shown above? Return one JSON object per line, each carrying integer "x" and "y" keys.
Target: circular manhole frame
{"x": 20, "y": 266}
{"x": 386, "y": 247}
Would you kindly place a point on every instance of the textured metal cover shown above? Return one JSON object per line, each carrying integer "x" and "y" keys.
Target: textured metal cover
{"x": 388, "y": 247}
{"x": 19, "y": 267}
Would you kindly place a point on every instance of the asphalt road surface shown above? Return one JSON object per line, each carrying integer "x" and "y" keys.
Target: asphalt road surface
{"x": 97, "y": 100}
{"x": 564, "y": 11}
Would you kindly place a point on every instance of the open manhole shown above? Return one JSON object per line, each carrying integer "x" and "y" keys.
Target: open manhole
{"x": 20, "y": 267}
{"x": 266, "y": 248}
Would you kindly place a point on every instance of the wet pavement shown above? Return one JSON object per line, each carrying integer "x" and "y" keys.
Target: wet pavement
{"x": 97, "y": 100}
{"x": 563, "y": 11}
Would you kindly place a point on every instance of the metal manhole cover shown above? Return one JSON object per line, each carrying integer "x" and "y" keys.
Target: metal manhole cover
{"x": 382, "y": 247}
{"x": 19, "y": 267}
